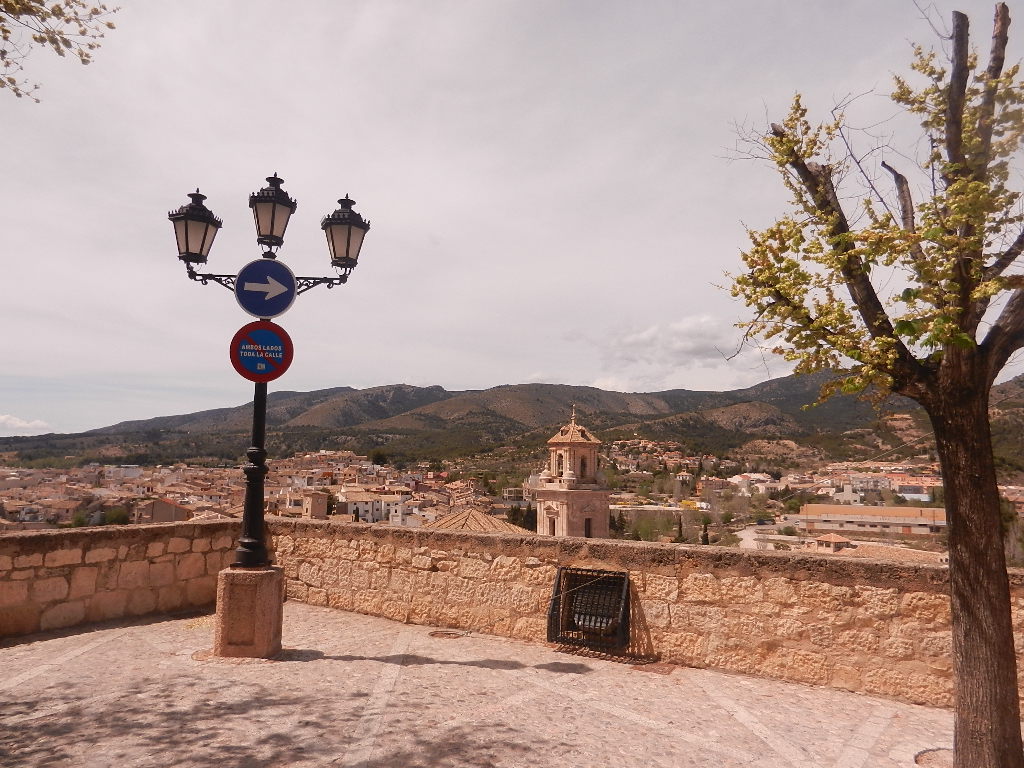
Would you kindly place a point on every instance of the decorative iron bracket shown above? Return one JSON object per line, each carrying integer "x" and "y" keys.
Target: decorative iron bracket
{"x": 302, "y": 284}
{"x": 228, "y": 281}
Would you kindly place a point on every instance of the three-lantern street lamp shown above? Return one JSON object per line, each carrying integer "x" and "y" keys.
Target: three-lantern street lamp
{"x": 196, "y": 226}
{"x": 261, "y": 351}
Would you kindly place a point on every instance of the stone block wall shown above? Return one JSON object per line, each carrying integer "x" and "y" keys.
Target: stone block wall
{"x": 847, "y": 623}
{"x": 59, "y": 578}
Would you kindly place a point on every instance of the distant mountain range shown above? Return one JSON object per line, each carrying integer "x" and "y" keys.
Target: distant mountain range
{"x": 774, "y": 420}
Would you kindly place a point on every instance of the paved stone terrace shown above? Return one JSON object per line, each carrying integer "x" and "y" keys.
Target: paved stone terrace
{"x": 353, "y": 690}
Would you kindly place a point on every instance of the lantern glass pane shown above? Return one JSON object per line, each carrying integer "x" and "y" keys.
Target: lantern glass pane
{"x": 330, "y": 242}
{"x": 355, "y": 242}
{"x": 180, "y": 236}
{"x": 280, "y": 221}
{"x": 211, "y": 232}
{"x": 264, "y": 213}
{"x": 195, "y": 232}
{"x": 337, "y": 239}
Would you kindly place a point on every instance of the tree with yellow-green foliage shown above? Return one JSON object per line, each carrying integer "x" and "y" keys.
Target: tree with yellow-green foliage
{"x": 903, "y": 274}
{"x": 66, "y": 27}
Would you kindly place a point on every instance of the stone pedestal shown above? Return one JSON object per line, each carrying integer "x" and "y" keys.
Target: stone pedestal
{"x": 249, "y": 612}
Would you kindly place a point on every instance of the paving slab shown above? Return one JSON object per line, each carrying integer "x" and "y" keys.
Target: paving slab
{"x": 354, "y": 690}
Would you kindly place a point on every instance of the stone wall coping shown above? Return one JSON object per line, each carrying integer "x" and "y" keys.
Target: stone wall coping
{"x": 74, "y": 538}
{"x": 648, "y": 557}
{"x": 610, "y": 554}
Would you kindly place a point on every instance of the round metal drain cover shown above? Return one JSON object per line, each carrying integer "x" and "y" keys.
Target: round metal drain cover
{"x": 445, "y": 634}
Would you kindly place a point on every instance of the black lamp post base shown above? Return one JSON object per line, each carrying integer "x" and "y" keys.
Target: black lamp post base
{"x": 251, "y": 553}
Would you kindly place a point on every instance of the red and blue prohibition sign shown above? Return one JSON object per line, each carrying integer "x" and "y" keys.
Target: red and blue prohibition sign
{"x": 261, "y": 351}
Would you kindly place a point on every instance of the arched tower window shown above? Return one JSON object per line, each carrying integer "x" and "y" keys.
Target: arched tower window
{"x": 559, "y": 465}
{"x": 583, "y": 467}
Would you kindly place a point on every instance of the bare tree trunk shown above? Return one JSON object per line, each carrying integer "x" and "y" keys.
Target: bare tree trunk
{"x": 987, "y": 731}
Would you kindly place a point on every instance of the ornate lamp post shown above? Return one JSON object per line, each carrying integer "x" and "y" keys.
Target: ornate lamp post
{"x": 261, "y": 351}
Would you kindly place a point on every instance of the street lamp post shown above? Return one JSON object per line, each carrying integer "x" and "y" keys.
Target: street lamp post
{"x": 261, "y": 351}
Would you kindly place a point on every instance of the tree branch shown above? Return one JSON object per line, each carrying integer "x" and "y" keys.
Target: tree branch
{"x": 907, "y": 215}
{"x": 1000, "y": 27}
{"x": 798, "y": 308}
{"x": 1005, "y": 259}
{"x": 749, "y": 332}
{"x": 817, "y": 181}
{"x": 906, "y": 207}
{"x": 971, "y": 313}
{"x": 857, "y": 161}
{"x": 957, "y": 93}
{"x": 1005, "y": 336}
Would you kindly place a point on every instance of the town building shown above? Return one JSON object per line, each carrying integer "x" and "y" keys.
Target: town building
{"x": 161, "y": 511}
{"x": 914, "y": 492}
{"x": 847, "y": 495}
{"x": 877, "y": 519}
{"x": 315, "y": 505}
{"x": 514, "y": 494}
{"x": 373, "y": 506}
{"x": 830, "y": 542}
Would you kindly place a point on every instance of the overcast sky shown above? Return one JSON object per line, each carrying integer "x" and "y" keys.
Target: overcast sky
{"x": 553, "y": 190}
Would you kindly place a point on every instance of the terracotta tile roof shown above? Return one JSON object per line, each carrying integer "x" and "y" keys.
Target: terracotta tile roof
{"x": 470, "y": 519}
{"x": 573, "y": 433}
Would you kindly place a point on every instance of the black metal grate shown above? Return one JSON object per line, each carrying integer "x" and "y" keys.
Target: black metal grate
{"x": 590, "y": 608}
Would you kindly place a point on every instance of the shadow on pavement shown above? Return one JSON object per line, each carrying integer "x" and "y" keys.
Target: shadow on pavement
{"x": 412, "y": 659}
{"x": 173, "y": 721}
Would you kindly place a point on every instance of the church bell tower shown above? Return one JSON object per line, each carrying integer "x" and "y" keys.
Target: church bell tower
{"x": 570, "y": 499}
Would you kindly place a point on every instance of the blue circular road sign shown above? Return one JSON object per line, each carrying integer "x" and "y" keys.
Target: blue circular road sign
{"x": 265, "y": 288}
{"x": 261, "y": 351}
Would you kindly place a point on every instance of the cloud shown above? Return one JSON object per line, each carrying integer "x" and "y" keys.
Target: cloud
{"x": 12, "y": 425}
{"x": 690, "y": 342}
{"x": 522, "y": 222}
{"x": 695, "y": 352}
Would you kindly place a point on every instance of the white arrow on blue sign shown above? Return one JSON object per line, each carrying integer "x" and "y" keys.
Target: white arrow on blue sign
{"x": 265, "y": 288}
